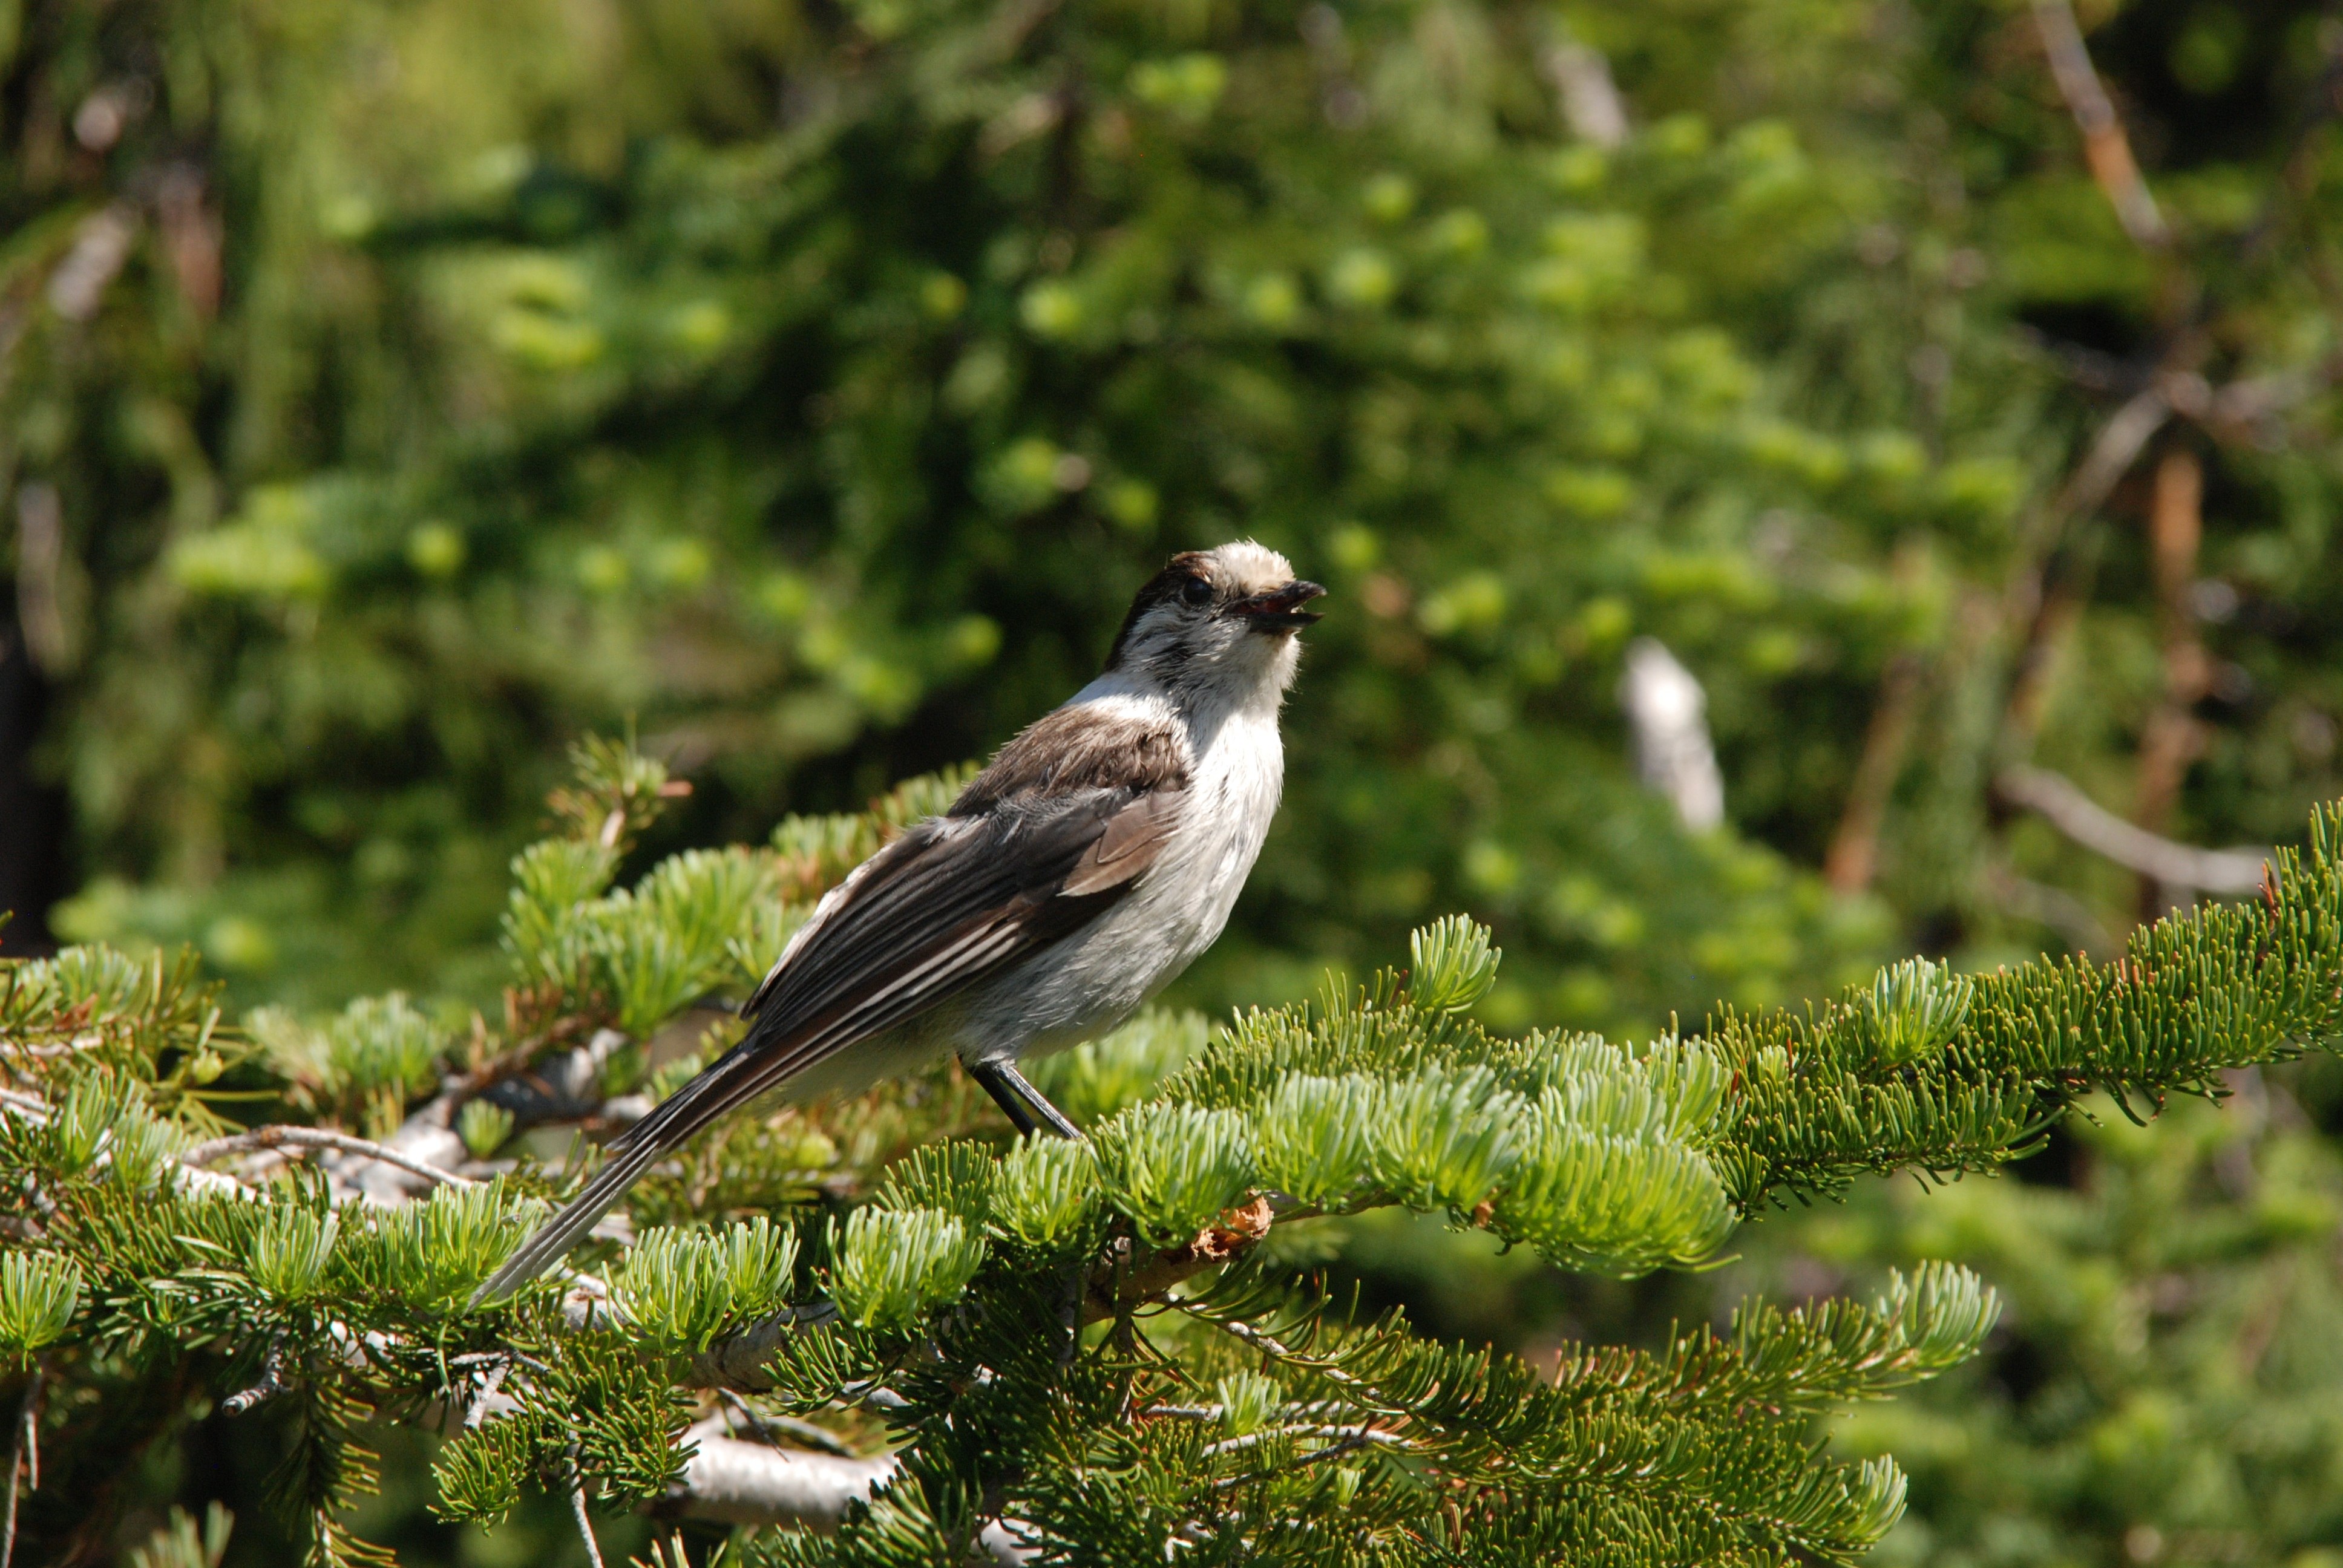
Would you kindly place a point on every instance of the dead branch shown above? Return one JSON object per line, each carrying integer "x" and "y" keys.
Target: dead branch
{"x": 735, "y": 1483}
{"x": 282, "y": 1137}
{"x": 2105, "y": 146}
{"x": 2057, "y": 800}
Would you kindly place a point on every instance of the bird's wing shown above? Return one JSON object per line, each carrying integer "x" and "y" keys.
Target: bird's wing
{"x": 954, "y": 900}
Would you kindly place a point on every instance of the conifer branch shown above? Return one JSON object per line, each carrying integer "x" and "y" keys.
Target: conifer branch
{"x": 945, "y": 1289}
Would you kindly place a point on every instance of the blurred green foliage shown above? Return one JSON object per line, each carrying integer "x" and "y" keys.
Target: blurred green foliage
{"x": 807, "y": 390}
{"x": 391, "y": 393}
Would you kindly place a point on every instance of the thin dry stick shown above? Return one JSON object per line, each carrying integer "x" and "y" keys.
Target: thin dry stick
{"x": 2105, "y": 146}
{"x": 272, "y": 1383}
{"x": 1854, "y": 853}
{"x": 2120, "y": 440}
{"x": 578, "y": 1509}
{"x": 2174, "y": 737}
{"x": 2028, "y": 599}
{"x": 28, "y": 1442}
{"x": 773, "y": 1428}
{"x": 261, "y": 1138}
{"x": 2067, "y": 808}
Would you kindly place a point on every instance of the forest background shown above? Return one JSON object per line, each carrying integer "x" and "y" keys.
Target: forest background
{"x": 393, "y": 393}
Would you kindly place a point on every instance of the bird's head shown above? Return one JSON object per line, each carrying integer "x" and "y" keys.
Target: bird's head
{"x": 1217, "y": 621}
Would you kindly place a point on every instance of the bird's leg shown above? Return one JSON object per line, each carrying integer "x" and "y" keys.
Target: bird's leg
{"x": 1023, "y": 1104}
{"x": 1049, "y": 1113}
{"x": 990, "y": 1075}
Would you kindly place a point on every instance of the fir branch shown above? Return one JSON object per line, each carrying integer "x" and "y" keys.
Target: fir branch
{"x": 2194, "y": 995}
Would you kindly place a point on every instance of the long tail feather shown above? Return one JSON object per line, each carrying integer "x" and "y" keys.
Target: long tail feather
{"x": 724, "y": 1084}
{"x": 565, "y": 1229}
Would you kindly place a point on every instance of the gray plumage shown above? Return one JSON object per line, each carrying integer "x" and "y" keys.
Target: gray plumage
{"x": 1089, "y": 864}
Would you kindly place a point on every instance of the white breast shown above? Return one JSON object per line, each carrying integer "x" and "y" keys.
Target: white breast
{"x": 1098, "y": 976}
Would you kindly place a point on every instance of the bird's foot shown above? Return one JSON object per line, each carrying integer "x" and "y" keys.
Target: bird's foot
{"x": 1028, "y": 1109}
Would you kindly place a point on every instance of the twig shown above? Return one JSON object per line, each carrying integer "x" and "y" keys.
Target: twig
{"x": 2066, "y": 807}
{"x": 2061, "y": 910}
{"x": 1854, "y": 851}
{"x": 2173, "y": 737}
{"x": 2028, "y": 598}
{"x": 1252, "y": 1438}
{"x": 27, "y": 1442}
{"x": 264, "y": 1138}
{"x": 2105, "y": 146}
{"x": 585, "y": 1526}
{"x": 272, "y": 1383}
{"x": 1269, "y": 1344}
{"x": 772, "y": 1428}
{"x": 2121, "y": 441}
{"x": 1360, "y": 1437}
{"x": 1117, "y": 1285}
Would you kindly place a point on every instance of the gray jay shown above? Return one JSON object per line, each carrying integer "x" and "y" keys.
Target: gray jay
{"x": 1087, "y": 865}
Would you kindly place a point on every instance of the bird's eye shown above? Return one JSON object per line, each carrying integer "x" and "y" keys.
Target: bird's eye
{"x": 1196, "y": 591}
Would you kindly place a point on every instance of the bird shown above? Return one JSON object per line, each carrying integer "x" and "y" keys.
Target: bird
{"x": 1090, "y": 861}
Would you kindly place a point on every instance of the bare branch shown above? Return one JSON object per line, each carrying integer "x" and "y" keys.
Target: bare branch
{"x": 773, "y": 1429}
{"x": 2119, "y": 442}
{"x": 2105, "y": 146}
{"x": 739, "y": 1482}
{"x": 28, "y": 1416}
{"x": 2058, "y": 801}
{"x": 1252, "y": 1438}
{"x": 736, "y": 1483}
{"x": 282, "y": 1137}
{"x": 2060, "y": 909}
{"x": 272, "y": 1383}
{"x": 1853, "y": 852}
{"x": 585, "y": 1526}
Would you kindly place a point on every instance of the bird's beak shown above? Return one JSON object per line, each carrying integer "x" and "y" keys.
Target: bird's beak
{"x": 1280, "y": 609}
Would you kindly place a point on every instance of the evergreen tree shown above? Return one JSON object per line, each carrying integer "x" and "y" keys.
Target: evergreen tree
{"x": 389, "y": 393}
{"x": 446, "y": 411}
{"x": 1085, "y": 1352}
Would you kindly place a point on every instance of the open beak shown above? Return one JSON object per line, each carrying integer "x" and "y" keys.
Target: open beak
{"x": 1280, "y": 609}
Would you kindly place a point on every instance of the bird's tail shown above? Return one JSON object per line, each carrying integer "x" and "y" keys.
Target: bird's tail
{"x": 728, "y": 1083}
{"x": 565, "y": 1229}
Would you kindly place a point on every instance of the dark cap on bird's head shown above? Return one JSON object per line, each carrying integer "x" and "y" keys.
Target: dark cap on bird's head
{"x": 1206, "y": 605}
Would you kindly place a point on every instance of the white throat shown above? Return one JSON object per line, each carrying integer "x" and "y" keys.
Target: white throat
{"x": 1204, "y": 697}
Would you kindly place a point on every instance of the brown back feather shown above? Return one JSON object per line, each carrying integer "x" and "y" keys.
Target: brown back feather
{"x": 1079, "y": 748}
